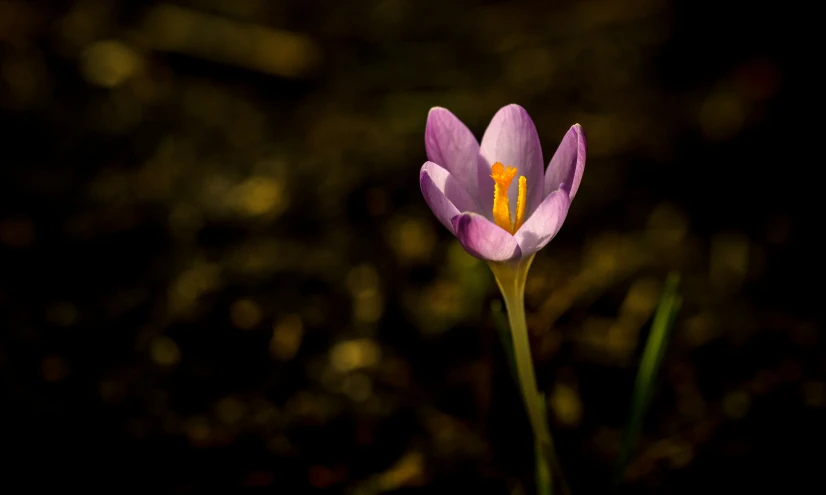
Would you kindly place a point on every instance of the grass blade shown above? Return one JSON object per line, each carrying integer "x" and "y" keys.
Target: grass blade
{"x": 652, "y": 356}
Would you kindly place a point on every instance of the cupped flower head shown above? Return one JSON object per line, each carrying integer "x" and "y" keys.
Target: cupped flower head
{"x": 468, "y": 185}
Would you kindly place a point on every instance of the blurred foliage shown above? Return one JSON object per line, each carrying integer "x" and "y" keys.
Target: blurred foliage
{"x": 217, "y": 270}
{"x": 655, "y": 347}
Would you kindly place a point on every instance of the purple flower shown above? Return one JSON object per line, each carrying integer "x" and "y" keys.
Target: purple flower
{"x": 468, "y": 186}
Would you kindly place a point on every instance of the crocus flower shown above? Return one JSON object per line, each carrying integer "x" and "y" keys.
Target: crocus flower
{"x": 468, "y": 185}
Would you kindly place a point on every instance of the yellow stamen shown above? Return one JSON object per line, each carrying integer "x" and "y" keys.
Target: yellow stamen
{"x": 502, "y": 177}
{"x": 521, "y": 200}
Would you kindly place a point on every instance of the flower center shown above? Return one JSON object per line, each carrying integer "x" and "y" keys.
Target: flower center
{"x": 502, "y": 177}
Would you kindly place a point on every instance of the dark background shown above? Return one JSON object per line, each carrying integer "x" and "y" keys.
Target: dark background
{"x": 217, "y": 270}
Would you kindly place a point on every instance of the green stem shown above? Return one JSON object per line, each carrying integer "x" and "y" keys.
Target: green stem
{"x": 511, "y": 279}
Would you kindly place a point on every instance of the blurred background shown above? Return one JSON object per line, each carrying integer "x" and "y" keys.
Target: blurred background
{"x": 217, "y": 270}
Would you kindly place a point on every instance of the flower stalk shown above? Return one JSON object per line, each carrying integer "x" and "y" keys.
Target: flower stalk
{"x": 511, "y": 278}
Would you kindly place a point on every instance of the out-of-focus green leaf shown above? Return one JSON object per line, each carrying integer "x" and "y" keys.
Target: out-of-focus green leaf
{"x": 653, "y": 353}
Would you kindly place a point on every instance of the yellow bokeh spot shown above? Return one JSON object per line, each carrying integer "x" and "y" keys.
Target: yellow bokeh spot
{"x": 368, "y": 306}
{"x": 413, "y": 239}
{"x": 110, "y": 63}
{"x": 354, "y": 354}
{"x": 362, "y": 278}
{"x": 164, "y": 351}
{"x": 286, "y": 337}
{"x": 358, "y": 387}
{"x": 729, "y": 260}
{"x": 368, "y": 303}
{"x": 566, "y": 405}
{"x": 197, "y": 428}
{"x": 245, "y": 314}
{"x": 640, "y": 300}
{"x": 409, "y": 470}
{"x": 443, "y": 299}
{"x": 178, "y": 29}
{"x": 191, "y": 284}
{"x": 259, "y": 196}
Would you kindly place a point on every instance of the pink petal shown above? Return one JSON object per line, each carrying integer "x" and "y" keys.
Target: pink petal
{"x": 511, "y": 139}
{"x": 451, "y": 144}
{"x": 568, "y": 163}
{"x": 484, "y": 239}
{"x": 543, "y": 225}
{"x": 443, "y": 194}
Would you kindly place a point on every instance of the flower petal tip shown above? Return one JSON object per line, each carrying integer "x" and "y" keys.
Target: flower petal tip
{"x": 511, "y": 139}
{"x": 568, "y": 162}
{"x": 515, "y": 106}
